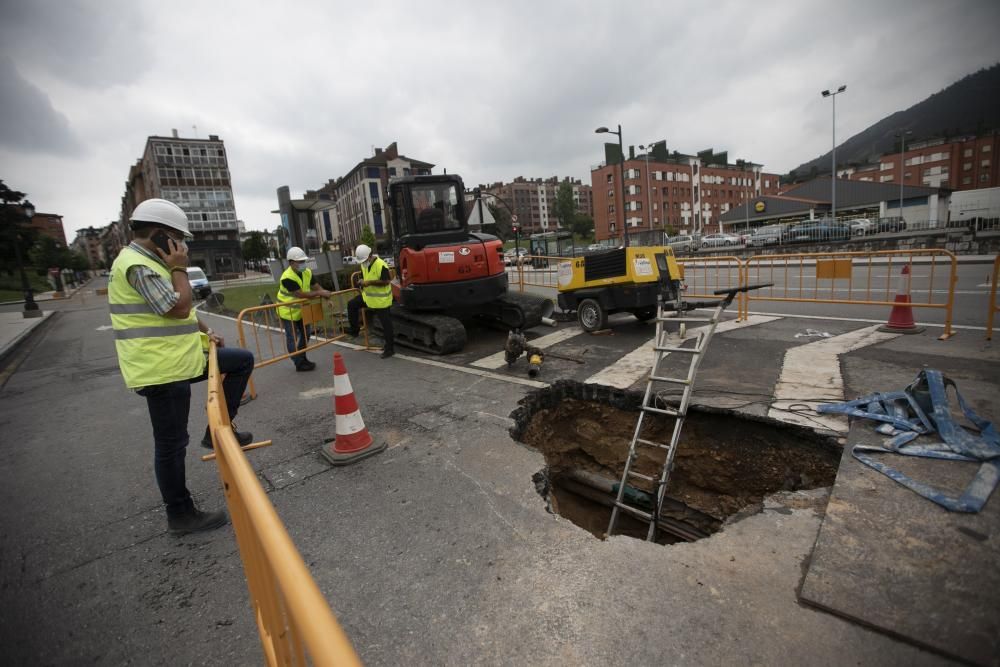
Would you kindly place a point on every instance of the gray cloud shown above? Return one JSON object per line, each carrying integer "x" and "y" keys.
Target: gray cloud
{"x": 28, "y": 121}
{"x": 302, "y": 94}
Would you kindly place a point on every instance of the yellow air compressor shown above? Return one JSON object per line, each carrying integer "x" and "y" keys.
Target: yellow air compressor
{"x": 621, "y": 280}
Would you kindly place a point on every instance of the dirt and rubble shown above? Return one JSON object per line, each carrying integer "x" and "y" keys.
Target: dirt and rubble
{"x": 725, "y": 462}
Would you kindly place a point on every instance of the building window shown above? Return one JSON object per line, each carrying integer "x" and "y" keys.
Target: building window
{"x": 987, "y": 148}
{"x": 967, "y": 180}
{"x": 967, "y": 166}
{"x": 968, "y": 152}
{"x": 984, "y": 163}
{"x": 983, "y": 177}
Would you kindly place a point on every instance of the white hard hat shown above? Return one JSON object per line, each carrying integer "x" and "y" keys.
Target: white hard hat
{"x": 296, "y": 254}
{"x": 362, "y": 253}
{"x": 162, "y": 212}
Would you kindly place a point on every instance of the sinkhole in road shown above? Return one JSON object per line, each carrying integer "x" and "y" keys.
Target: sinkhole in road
{"x": 725, "y": 465}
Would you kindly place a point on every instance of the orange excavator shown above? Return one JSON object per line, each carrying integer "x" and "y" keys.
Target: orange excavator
{"x": 447, "y": 275}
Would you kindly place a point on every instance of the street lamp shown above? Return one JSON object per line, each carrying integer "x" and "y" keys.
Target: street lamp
{"x": 833, "y": 158}
{"x": 621, "y": 152}
{"x": 30, "y": 307}
{"x": 902, "y": 166}
{"x": 649, "y": 192}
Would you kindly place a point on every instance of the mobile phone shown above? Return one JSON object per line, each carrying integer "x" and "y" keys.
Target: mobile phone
{"x": 161, "y": 240}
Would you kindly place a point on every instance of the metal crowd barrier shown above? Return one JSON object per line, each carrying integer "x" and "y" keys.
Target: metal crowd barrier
{"x": 856, "y": 278}
{"x": 702, "y": 276}
{"x": 994, "y": 306}
{"x": 535, "y": 271}
{"x": 325, "y": 320}
{"x": 295, "y": 623}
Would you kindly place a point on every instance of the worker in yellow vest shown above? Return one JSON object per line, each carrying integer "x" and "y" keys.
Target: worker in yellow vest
{"x": 376, "y": 296}
{"x": 161, "y": 348}
{"x": 296, "y": 283}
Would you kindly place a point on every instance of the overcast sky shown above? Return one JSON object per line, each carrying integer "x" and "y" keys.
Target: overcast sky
{"x": 301, "y": 91}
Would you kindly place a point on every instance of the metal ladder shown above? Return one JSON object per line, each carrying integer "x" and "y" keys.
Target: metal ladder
{"x": 663, "y": 347}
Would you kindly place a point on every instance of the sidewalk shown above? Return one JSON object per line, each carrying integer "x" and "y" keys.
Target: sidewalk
{"x": 15, "y": 328}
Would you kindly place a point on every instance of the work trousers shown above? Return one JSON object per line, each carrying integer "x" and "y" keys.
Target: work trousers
{"x": 354, "y": 307}
{"x": 296, "y": 338}
{"x": 169, "y": 405}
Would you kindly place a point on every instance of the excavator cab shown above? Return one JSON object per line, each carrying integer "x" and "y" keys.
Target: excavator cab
{"x": 427, "y": 210}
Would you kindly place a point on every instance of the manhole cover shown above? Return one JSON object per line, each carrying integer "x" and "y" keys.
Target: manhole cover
{"x": 725, "y": 465}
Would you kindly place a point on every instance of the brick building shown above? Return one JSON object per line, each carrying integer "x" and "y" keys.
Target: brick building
{"x": 51, "y": 225}
{"x": 685, "y": 193}
{"x": 964, "y": 163}
{"x": 533, "y": 200}
{"x": 358, "y": 196}
{"x": 194, "y": 174}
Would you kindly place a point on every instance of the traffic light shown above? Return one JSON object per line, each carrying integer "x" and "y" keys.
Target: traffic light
{"x": 515, "y": 229}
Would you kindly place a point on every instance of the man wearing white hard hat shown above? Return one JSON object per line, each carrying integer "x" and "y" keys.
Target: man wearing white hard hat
{"x": 376, "y": 296}
{"x": 161, "y": 348}
{"x": 296, "y": 283}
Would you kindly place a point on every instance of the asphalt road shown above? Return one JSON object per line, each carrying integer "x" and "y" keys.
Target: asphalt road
{"x": 438, "y": 551}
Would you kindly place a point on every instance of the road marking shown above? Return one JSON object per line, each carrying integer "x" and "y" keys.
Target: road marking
{"x": 497, "y": 360}
{"x": 637, "y": 364}
{"x": 103, "y": 327}
{"x": 810, "y": 375}
{"x": 970, "y": 327}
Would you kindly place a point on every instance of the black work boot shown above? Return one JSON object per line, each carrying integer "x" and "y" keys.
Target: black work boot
{"x": 196, "y": 521}
{"x": 243, "y": 437}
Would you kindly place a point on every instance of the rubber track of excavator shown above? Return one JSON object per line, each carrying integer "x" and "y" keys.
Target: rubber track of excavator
{"x": 446, "y": 334}
{"x": 531, "y": 309}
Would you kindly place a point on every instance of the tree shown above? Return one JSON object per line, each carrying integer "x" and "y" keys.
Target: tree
{"x": 565, "y": 207}
{"x": 47, "y": 254}
{"x": 368, "y": 237}
{"x": 583, "y": 225}
{"x": 502, "y": 228}
{"x": 78, "y": 262}
{"x": 255, "y": 247}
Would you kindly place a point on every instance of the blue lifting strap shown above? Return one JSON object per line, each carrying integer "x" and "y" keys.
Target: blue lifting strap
{"x": 906, "y": 414}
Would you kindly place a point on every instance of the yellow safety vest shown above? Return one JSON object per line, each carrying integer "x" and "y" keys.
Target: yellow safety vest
{"x": 152, "y": 349}
{"x": 304, "y": 280}
{"x": 376, "y": 296}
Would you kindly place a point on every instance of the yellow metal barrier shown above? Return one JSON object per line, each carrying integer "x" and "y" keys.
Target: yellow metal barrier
{"x": 856, "y": 278}
{"x": 325, "y": 319}
{"x": 701, "y": 276}
{"x": 994, "y": 306}
{"x": 295, "y": 623}
{"x": 535, "y": 271}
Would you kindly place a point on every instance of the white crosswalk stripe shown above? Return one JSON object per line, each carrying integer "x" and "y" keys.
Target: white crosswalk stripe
{"x": 810, "y": 375}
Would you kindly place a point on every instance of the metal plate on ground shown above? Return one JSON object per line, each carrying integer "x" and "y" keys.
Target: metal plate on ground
{"x": 890, "y": 559}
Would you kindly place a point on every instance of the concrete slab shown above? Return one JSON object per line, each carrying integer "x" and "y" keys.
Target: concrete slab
{"x": 889, "y": 559}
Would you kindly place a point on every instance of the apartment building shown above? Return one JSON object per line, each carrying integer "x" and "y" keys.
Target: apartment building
{"x": 358, "y": 196}
{"x": 685, "y": 193}
{"x": 194, "y": 174}
{"x": 51, "y": 225}
{"x": 88, "y": 244}
{"x": 533, "y": 200}
{"x": 963, "y": 163}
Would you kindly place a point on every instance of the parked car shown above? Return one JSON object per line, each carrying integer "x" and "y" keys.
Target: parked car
{"x": 199, "y": 282}
{"x": 861, "y": 227}
{"x": 819, "y": 230}
{"x": 719, "y": 240}
{"x": 891, "y": 225}
{"x": 769, "y": 235}
{"x": 595, "y": 247}
{"x": 349, "y": 260}
{"x": 683, "y": 243}
{"x": 510, "y": 255}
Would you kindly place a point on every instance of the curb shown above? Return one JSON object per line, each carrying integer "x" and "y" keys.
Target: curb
{"x": 11, "y": 348}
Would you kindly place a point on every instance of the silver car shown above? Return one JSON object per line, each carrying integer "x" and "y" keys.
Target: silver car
{"x": 683, "y": 243}
{"x": 769, "y": 235}
{"x": 718, "y": 240}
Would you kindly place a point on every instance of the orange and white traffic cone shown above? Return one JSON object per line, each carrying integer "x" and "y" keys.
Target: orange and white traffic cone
{"x": 901, "y": 317}
{"x": 353, "y": 442}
